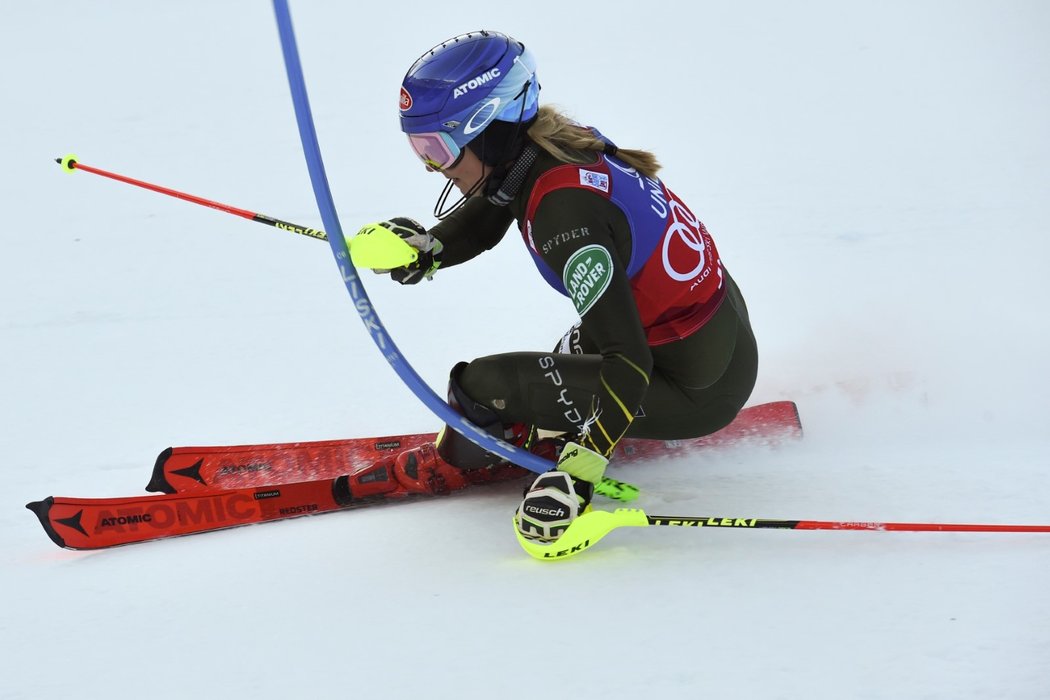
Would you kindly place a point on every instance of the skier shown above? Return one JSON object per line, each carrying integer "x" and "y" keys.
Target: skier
{"x": 664, "y": 347}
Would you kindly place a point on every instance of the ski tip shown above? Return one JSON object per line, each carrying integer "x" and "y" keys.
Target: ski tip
{"x": 158, "y": 481}
{"x": 42, "y": 510}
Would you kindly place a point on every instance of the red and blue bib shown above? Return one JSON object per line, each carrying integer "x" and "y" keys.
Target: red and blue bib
{"x": 674, "y": 270}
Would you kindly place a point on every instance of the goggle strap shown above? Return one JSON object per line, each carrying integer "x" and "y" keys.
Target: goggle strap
{"x": 512, "y": 183}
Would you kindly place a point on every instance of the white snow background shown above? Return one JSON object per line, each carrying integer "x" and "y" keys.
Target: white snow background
{"x": 877, "y": 178}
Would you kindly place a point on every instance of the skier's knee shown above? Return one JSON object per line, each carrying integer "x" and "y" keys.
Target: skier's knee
{"x": 453, "y": 447}
{"x": 485, "y": 382}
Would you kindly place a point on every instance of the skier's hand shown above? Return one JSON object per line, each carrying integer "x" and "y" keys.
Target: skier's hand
{"x": 413, "y": 233}
{"x": 558, "y": 497}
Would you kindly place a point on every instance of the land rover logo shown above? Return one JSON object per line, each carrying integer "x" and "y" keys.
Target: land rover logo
{"x": 587, "y": 275}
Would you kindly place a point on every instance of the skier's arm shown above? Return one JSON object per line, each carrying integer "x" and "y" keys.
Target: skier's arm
{"x": 599, "y": 235}
{"x": 472, "y": 229}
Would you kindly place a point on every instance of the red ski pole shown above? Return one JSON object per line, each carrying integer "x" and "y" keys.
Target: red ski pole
{"x": 590, "y": 527}
{"x": 69, "y": 164}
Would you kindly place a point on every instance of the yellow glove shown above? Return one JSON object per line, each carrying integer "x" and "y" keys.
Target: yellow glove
{"x": 400, "y": 247}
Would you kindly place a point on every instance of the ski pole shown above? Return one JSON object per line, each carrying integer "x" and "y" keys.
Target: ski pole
{"x": 374, "y": 247}
{"x": 590, "y": 527}
{"x": 69, "y": 164}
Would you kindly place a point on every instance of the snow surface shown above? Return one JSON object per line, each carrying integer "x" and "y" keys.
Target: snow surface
{"x": 876, "y": 176}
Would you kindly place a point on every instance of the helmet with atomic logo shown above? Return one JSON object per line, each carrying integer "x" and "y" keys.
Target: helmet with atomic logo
{"x": 453, "y": 92}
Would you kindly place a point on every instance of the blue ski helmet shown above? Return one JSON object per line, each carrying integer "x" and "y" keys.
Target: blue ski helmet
{"x": 459, "y": 87}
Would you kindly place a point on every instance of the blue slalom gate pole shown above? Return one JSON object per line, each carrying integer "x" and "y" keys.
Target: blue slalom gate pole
{"x": 323, "y": 195}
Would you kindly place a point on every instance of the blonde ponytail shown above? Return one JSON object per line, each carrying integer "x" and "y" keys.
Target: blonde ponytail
{"x": 571, "y": 143}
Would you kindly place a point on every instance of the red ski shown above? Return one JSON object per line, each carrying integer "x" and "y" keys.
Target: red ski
{"x": 97, "y": 523}
{"x": 216, "y": 489}
{"x": 190, "y": 469}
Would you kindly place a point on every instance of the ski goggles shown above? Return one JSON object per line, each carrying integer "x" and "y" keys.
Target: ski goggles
{"x": 436, "y": 149}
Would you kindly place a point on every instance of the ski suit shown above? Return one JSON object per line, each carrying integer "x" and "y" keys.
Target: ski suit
{"x": 664, "y": 347}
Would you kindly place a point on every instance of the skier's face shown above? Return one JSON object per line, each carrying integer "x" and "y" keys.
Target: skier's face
{"x": 466, "y": 173}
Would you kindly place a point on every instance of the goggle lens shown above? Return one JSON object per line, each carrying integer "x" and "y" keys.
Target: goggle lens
{"x": 436, "y": 149}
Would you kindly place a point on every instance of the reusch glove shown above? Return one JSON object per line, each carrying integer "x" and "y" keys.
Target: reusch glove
{"x": 416, "y": 235}
{"x": 558, "y": 497}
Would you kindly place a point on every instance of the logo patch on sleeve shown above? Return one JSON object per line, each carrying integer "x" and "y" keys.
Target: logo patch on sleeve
{"x": 599, "y": 181}
{"x": 587, "y": 275}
